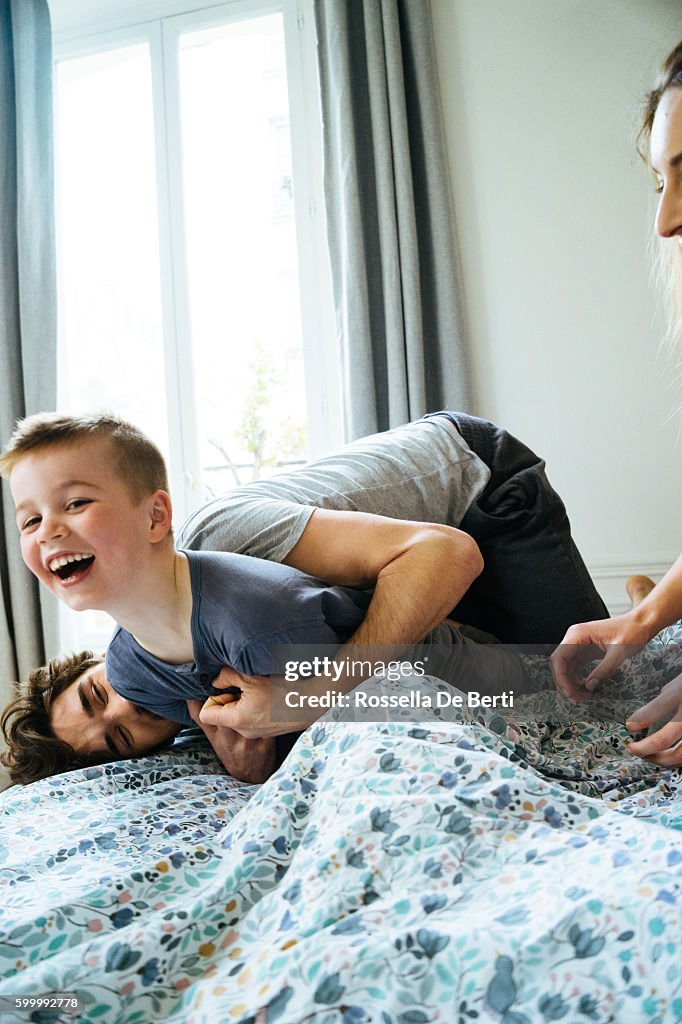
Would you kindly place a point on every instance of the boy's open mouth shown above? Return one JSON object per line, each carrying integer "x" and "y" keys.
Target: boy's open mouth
{"x": 70, "y": 567}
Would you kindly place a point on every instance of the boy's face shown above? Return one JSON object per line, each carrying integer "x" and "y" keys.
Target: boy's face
{"x": 82, "y": 534}
{"x": 93, "y": 719}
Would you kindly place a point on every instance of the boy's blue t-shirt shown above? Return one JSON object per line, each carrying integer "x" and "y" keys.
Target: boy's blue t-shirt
{"x": 241, "y": 608}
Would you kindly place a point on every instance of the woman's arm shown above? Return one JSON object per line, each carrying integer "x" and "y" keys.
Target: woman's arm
{"x": 618, "y": 638}
{"x": 663, "y": 605}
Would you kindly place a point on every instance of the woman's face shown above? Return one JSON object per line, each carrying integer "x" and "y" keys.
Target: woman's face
{"x": 666, "y": 161}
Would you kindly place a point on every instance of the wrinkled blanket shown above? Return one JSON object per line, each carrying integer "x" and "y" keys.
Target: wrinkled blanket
{"x": 398, "y": 872}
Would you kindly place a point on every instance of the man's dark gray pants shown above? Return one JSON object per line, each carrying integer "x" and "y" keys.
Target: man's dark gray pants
{"x": 535, "y": 583}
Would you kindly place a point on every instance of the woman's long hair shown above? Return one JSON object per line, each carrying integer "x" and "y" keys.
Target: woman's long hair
{"x": 668, "y": 251}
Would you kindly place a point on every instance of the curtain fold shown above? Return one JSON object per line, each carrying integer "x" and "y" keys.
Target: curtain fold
{"x": 389, "y": 214}
{"x": 28, "y": 324}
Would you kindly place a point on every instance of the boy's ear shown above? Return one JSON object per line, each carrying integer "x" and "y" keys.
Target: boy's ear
{"x": 161, "y": 520}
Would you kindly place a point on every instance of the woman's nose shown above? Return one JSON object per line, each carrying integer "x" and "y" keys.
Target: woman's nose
{"x": 669, "y": 213}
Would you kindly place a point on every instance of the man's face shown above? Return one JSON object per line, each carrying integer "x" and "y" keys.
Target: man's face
{"x": 82, "y": 534}
{"x": 94, "y": 720}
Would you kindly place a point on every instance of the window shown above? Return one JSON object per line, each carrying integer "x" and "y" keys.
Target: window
{"x": 194, "y": 291}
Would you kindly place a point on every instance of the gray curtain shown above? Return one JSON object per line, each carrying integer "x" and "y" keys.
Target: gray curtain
{"x": 27, "y": 302}
{"x": 389, "y": 213}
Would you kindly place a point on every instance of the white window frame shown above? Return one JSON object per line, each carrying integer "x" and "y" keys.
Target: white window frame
{"x": 159, "y": 23}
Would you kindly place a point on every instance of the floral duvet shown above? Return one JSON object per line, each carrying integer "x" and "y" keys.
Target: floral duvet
{"x": 397, "y": 872}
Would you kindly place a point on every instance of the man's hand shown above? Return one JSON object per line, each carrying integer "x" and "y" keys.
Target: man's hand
{"x": 659, "y": 747}
{"x": 249, "y": 760}
{"x": 613, "y": 640}
{"x": 258, "y": 711}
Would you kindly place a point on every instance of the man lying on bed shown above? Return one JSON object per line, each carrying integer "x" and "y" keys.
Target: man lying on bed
{"x": 325, "y": 520}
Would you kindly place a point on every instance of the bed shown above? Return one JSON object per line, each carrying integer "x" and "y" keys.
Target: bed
{"x": 403, "y": 872}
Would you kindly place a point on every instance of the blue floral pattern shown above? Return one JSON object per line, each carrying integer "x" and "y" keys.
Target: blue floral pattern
{"x": 391, "y": 872}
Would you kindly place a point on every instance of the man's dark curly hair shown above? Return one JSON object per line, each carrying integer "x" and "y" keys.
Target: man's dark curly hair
{"x": 34, "y": 752}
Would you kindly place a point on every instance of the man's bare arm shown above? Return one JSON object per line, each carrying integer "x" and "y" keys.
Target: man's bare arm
{"x": 419, "y": 571}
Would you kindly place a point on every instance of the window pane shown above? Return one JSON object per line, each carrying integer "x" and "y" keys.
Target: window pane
{"x": 111, "y": 348}
{"x": 110, "y": 345}
{"x": 242, "y": 262}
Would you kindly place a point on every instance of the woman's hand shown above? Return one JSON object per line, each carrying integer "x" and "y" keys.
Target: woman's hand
{"x": 611, "y": 640}
{"x": 659, "y": 746}
{"x": 249, "y": 760}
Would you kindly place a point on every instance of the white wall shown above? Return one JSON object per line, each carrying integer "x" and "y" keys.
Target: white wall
{"x": 553, "y": 210}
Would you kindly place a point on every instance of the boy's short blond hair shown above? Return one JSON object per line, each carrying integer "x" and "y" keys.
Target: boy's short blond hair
{"x": 137, "y": 460}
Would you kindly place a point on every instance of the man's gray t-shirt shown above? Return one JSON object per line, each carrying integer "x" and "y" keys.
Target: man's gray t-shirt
{"x": 423, "y": 472}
